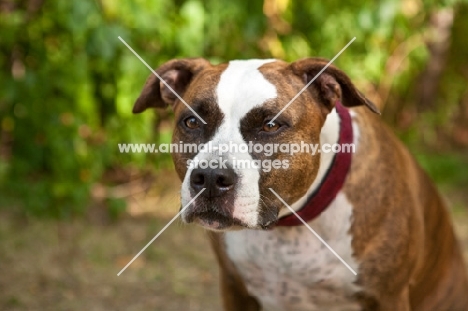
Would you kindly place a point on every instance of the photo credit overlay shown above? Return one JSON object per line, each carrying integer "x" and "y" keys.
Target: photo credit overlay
{"x": 231, "y": 154}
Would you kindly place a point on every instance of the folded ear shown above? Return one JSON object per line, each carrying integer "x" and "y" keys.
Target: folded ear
{"x": 177, "y": 75}
{"x": 332, "y": 85}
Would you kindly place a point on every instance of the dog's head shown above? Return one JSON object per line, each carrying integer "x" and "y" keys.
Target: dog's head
{"x": 232, "y": 105}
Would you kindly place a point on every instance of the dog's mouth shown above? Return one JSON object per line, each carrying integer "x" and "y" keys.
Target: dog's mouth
{"x": 214, "y": 220}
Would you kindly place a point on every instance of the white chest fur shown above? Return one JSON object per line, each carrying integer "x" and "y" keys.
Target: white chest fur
{"x": 288, "y": 268}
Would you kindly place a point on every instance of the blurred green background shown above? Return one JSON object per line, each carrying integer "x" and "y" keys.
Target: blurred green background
{"x": 67, "y": 86}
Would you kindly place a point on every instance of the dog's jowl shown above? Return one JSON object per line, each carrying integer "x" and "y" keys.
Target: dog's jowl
{"x": 330, "y": 158}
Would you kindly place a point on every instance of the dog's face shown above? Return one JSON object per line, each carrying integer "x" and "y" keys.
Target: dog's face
{"x": 237, "y": 101}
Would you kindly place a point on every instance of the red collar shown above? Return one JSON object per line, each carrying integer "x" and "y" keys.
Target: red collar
{"x": 333, "y": 180}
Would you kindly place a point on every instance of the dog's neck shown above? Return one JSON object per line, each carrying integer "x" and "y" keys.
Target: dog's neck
{"x": 329, "y": 135}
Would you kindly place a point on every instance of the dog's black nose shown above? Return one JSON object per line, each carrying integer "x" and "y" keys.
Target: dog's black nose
{"x": 216, "y": 181}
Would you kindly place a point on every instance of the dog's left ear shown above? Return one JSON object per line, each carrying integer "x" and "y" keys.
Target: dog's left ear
{"x": 332, "y": 85}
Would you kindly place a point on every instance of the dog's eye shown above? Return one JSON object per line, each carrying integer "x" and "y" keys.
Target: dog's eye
{"x": 192, "y": 123}
{"x": 269, "y": 126}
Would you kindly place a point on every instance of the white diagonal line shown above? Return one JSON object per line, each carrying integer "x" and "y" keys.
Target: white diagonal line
{"x": 310, "y": 82}
{"x": 159, "y": 77}
{"x": 313, "y": 231}
{"x": 160, "y": 232}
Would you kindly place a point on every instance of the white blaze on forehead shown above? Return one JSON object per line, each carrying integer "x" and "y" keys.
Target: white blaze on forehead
{"x": 242, "y": 87}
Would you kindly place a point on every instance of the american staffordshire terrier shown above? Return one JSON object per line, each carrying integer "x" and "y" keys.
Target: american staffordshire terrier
{"x": 375, "y": 207}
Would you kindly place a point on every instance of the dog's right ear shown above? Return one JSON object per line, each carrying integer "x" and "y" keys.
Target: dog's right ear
{"x": 177, "y": 73}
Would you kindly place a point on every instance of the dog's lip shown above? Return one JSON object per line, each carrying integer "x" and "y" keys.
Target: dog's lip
{"x": 214, "y": 220}
{"x": 212, "y": 224}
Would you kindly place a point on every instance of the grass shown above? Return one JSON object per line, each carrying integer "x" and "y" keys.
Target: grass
{"x": 50, "y": 264}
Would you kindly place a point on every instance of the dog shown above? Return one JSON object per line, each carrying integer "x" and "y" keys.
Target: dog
{"x": 375, "y": 207}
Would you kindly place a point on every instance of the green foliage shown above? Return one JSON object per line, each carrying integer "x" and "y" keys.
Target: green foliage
{"x": 68, "y": 83}
{"x": 62, "y": 104}
{"x": 445, "y": 168}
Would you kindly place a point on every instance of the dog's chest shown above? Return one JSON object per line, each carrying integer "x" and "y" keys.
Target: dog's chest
{"x": 288, "y": 268}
